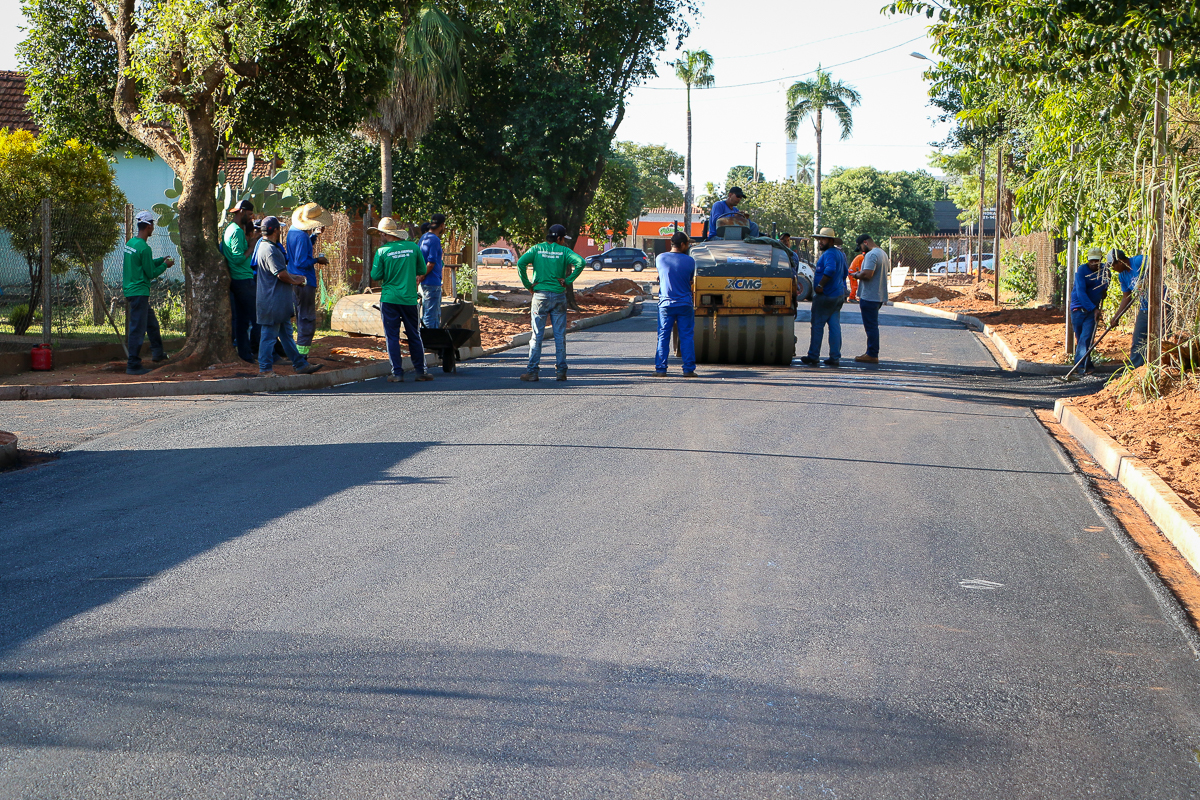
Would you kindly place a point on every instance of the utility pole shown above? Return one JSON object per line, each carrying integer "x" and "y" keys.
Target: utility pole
{"x": 1158, "y": 205}
{"x": 982, "y": 187}
{"x": 996, "y": 241}
{"x": 754, "y": 177}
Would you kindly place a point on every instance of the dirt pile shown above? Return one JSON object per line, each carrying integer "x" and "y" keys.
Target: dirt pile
{"x": 617, "y": 286}
{"x": 925, "y": 291}
{"x": 1165, "y": 433}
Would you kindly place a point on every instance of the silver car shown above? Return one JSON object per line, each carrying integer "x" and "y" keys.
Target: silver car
{"x": 496, "y": 257}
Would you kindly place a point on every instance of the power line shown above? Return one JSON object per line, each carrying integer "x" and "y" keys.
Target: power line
{"x": 818, "y": 41}
{"x": 785, "y": 77}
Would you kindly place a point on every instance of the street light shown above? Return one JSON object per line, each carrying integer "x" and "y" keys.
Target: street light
{"x": 922, "y": 57}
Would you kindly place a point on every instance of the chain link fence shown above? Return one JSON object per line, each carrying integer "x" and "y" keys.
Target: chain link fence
{"x": 955, "y": 258}
{"x": 82, "y": 289}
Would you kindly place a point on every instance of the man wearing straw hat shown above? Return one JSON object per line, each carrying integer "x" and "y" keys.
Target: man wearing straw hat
{"x": 829, "y": 293}
{"x": 397, "y": 266}
{"x": 306, "y": 219}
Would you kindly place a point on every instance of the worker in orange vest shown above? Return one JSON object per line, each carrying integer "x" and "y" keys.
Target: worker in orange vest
{"x": 855, "y": 266}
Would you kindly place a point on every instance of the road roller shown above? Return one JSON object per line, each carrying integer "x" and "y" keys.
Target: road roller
{"x": 745, "y": 294}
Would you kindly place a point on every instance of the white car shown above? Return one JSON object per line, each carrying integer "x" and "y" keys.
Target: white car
{"x": 962, "y": 264}
{"x": 496, "y": 257}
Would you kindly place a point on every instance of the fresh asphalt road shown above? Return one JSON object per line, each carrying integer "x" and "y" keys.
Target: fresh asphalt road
{"x": 865, "y": 583}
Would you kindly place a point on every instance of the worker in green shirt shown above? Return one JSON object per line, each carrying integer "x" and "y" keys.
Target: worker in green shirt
{"x": 554, "y": 266}
{"x": 141, "y": 267}
{"x": 397, "y": 265}
{"x": 242, "y": 283}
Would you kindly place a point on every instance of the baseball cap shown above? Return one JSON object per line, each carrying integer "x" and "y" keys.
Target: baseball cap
{"x": 679, "y": 237}
{"x": 862, "y": 237}
{"x": 145, "y": 217}
{"x": 558, "y": 230}
{"x": 736, "y": 190}
{"x": 437, "y": 219}
{"x": 270, "y": 224}
{"x": 242, "y": 205}
{"x": 1095, "y": 254}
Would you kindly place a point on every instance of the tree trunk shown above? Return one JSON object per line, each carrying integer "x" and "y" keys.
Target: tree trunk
{"x": 385, "y": 162}
{"x": 22, "y": 323}
{"x": 208, "y": 339}
{"x": 817, "y": 180}
{"x": 687, "y": 181}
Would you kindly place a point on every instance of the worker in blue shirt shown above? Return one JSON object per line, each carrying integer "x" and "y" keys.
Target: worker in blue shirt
{"x": 676, "y": 272}
{"x": 1087, "y": 297}
{"x": 1129, "y": 271}
{"x": 725, "y": 207}
{"x": 431, "y": 284}
{"x": 829, "y": 294}
{"x": 306, "y": 220}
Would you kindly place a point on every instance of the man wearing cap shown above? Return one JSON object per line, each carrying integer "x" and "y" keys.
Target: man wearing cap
{"x": 552, "y": 261}
{"x": 1128, "y": 271}
{"x": 237, "y": 254}
{"x": 397, "y": 265}
{"x": 723, "y": 208}
{"x": 306, "y": 219}
{"x": 676, "y": 272}
{"x": 431, "y": 284}
{"x": 1087, "y": 298}
{"x": 872, "y": 292}
{"x": 275, "y": 302}
{"x": 829, "y": 293}
{"x": 141, "y": 267}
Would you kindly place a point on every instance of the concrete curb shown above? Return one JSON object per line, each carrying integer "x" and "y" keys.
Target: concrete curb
{"x": 8, "y": 450}
{"x": 1010, "y": 358}
{"x": 1177, "y": 520}
{"x": 275, "y": 383}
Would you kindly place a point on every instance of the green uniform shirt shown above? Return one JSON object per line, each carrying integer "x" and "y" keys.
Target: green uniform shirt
{"x": 551, "y": 264}
{"x": 397, "y": 265}
{"x": 141, "y": 267}
{"x": 237, "y": 252}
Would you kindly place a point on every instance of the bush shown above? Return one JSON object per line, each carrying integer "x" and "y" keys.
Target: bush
{"x": 1020, "y": 277}
{"x": 16, "y": 313}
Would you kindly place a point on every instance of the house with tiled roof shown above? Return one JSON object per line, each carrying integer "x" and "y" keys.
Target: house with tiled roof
{"x": 13, "y": 114}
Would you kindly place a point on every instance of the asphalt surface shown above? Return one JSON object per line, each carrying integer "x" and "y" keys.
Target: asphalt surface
{"x": 763, "y": 582}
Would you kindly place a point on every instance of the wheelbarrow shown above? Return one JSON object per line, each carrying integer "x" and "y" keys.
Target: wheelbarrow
{"x": 445, "y": 343}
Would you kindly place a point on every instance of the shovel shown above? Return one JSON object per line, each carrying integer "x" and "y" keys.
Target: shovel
{"x": 1070, "y": 376}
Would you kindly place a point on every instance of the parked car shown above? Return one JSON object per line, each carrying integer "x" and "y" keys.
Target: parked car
{"x": 619, "y": 258}
{"x": 963, "y": 263}
{"x": 497, "y": 257}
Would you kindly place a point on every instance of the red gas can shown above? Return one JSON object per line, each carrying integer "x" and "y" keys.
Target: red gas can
{"x": 42, "y": 357}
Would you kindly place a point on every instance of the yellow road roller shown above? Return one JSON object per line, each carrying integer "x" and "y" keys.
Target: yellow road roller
{"x": 745, "y": 297}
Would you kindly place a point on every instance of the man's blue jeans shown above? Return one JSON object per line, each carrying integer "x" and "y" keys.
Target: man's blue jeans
{"x": 1141, "y": 330}
{"x": 431, "y": 305}
{"x": 869, "y": 309}
{"x": 685, "y": 318}
{"x": 1084, "y": 323}
{"x": 266, "y": 346}
{"x": 553, "y": 304}
{"x": 241, "y": 295}
{"x": 394, "y": 315}
{"x": 826, "y": 311}
{"x": 141, "y": 322}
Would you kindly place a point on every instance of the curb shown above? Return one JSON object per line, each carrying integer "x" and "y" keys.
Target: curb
{"x": 1175, "y": 518}
{"x": 1010, "y": 358}
{"x": 275, "y": 383}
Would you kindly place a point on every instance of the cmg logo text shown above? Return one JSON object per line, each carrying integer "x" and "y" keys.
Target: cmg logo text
{"x": 744, "y": 283}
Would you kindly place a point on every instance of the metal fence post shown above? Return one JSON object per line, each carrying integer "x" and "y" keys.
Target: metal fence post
{"x": 365, "y": 281}
{"x": 46, "y": 308}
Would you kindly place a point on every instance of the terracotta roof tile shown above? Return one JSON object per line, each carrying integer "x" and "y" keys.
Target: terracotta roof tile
{"x": 13, "y": 114}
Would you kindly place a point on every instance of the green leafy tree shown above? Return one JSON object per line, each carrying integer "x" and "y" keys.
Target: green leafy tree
{"x": 184, "y": 76}
{"x": 340, "y": 172}
{"x": 742, "y": 175}
{"x": 785, "y": 204}
{"x": 810, "y": 100}
{"x": 84, "y": 199}
{"x": 694, "y": 68}
{"x": 655, "y": 165}
{"x": 618, "y": 199}
{"x": 805, "y": 168}
{"x": 883, "y": 204}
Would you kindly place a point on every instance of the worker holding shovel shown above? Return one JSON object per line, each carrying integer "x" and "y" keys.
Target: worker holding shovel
{"x": 1087, "y": 297}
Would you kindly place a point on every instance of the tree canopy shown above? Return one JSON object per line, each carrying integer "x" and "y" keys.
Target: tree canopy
{"x": 655, "y": 164}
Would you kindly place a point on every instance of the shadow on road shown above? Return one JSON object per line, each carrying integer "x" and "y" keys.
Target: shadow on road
{"x": 51, "y": 571}
{"x": 326, "y": 698}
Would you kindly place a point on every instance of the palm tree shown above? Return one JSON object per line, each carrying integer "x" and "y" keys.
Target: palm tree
{"x": 812, "y": 98}
{"x": 427, "y": 76}
{"x": 694, "y": 69}
{"x": 804, "y": 168}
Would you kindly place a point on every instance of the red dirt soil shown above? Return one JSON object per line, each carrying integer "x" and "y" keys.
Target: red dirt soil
{"x": 1165, "y": 433}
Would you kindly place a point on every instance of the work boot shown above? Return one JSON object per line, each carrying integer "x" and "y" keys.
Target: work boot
{"x": 159, "y": 358}
{"x": 138, "y": 371}
{"x": 866, "y": 359}
{"x": 395, "y": 378}
{"x": 529, "y": 376}
{"x": 812, "y": 362}
{"x": 308, "y": 369}
{"x": 424, "y": 376}
{"x": 832, "y": 362}
{"x": 561, "y": 376}
{"x": 660, "y": 373}
{"x": 690, "y": 374}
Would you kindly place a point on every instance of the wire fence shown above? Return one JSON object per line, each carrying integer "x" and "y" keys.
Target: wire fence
{"x": 80, "y": 299}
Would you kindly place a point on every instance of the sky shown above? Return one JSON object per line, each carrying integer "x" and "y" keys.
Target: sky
{"x": 775, "y": 42}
